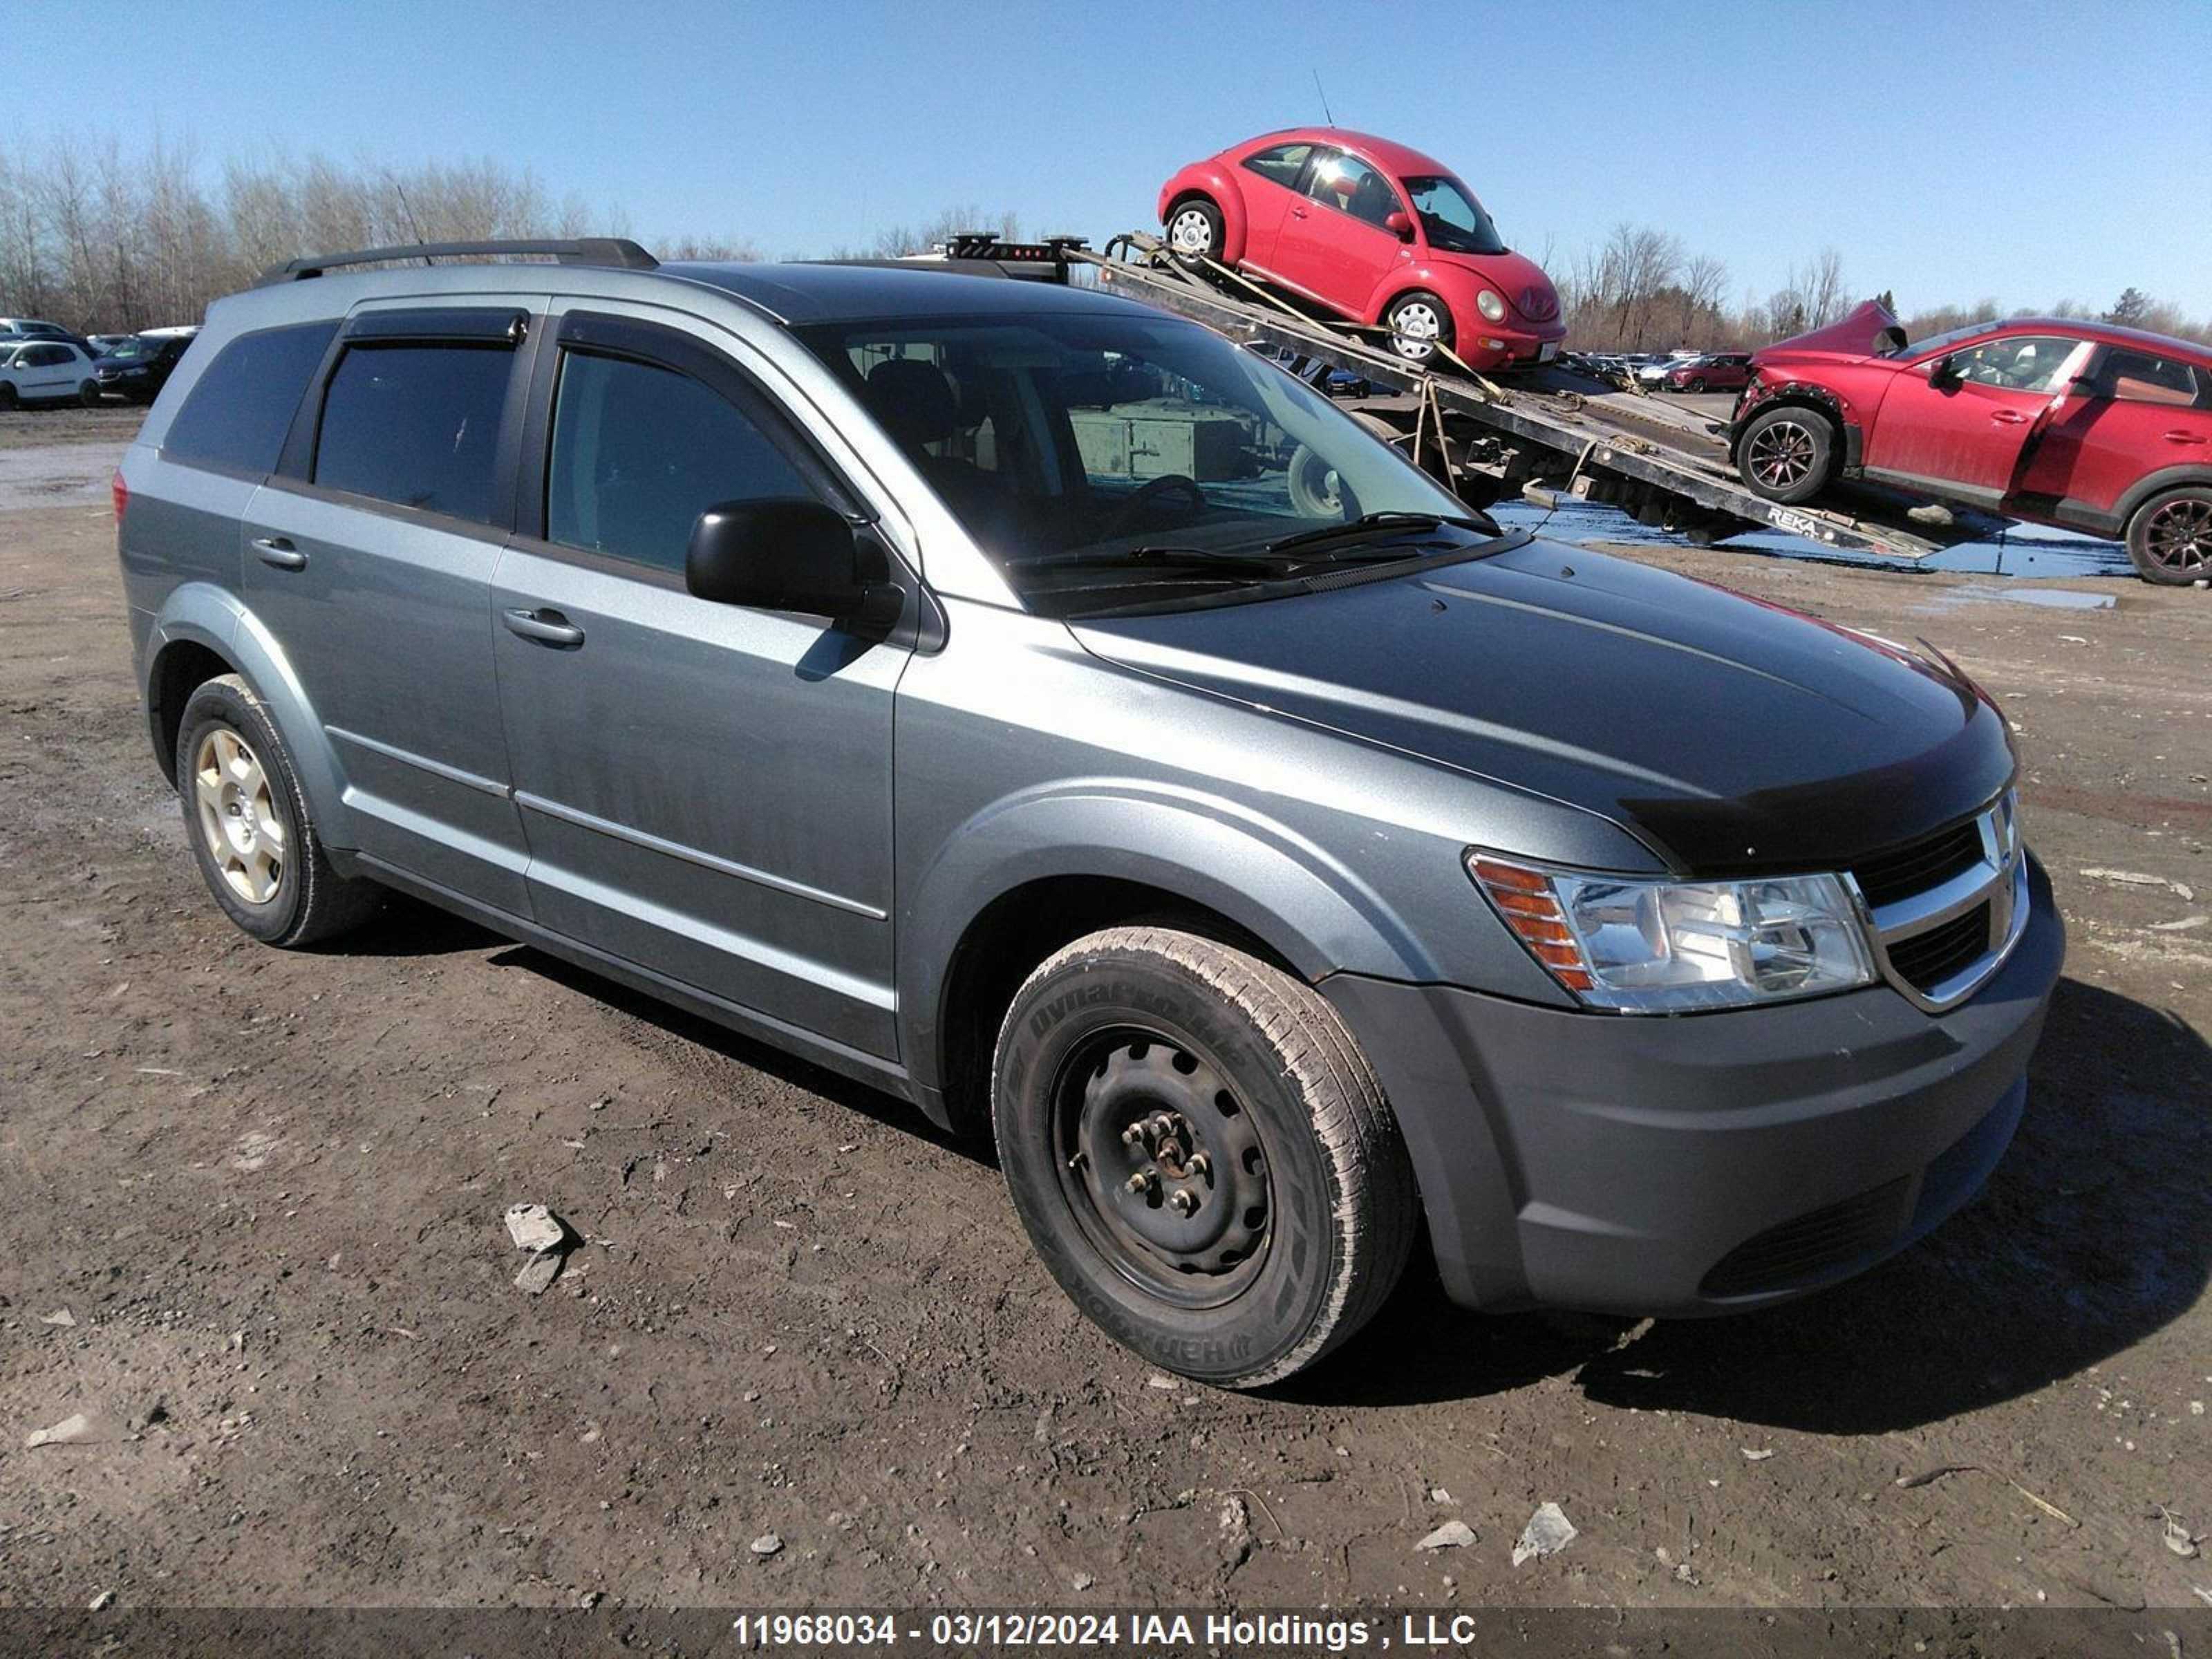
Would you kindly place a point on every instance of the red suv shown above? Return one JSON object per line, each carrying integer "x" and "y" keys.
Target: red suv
{"x": 1373, "y": 231}
{"x": 2086, "y": 425}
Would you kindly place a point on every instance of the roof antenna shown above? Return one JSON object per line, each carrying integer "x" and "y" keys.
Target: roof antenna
{"x": 408, "y": 208}
{"x": 1325, "y": 115}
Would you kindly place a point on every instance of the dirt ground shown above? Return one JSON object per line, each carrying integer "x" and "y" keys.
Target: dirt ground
{"x": 250, "y": 1227}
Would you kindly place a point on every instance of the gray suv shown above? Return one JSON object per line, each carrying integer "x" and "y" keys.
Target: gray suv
{"x": 1041, "y": 708}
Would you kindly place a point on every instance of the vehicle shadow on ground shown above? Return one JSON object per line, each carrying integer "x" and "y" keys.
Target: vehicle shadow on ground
{"x": 868, "y": 1101}
{"x": 2094, "y": 1232}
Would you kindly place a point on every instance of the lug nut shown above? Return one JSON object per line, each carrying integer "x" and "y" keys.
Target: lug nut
{"x": 1143, "y": 1181}
{"x": 1199, "y": 1165}
{"x": 1133, "y": 1134}
{"x": 1184, "y": 1201}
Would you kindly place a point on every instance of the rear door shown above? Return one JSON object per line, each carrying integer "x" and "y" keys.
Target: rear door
{"x": 2132, "y": 413}
{"x": 1966, "y": 435}
{"x": 369, "y": 557}
{"x": 1333, "y": 245}
{"x": 706, "y": 788}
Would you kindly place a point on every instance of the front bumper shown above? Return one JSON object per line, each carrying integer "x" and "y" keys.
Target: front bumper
{"x": 1485, "y": 344}
{"x": 1701, "y": 1163}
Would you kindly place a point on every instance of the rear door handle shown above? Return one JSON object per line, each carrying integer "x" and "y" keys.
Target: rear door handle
{"x": 546, "y": 627}
{"x": 277, "y": 551}
{"x": 2010, "y": 416}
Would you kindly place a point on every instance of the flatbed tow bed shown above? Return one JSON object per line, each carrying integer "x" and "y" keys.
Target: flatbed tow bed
{"x": 1544, "y": 435}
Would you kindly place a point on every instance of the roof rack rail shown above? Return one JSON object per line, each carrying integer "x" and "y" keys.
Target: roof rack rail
{"x": 617, "y": 251}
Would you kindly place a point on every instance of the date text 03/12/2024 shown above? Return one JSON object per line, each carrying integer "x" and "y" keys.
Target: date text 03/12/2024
{"x": 1279, "y": 1631}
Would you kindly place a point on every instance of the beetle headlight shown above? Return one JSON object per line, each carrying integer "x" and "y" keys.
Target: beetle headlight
{"x": 1636, "y": 946}
{"x": 1487, "y": 302}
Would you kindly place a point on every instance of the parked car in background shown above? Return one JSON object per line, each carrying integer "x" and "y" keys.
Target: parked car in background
{"x": 35, "y": 328}
{"x": 1713, "y": 371}
{"x": 137, "y": 369}
{"x": 811, "y": 666}
{"x": 2085, "y": 425}
{"x": 1374, "y": 232}
{"x": 45, "y": 371}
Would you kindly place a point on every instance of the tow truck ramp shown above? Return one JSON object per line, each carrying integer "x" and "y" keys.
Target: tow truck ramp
{"x": 1543, "y": 435}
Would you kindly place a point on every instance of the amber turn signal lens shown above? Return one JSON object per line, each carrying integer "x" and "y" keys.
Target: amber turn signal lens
{"x": 1525, "y": 901}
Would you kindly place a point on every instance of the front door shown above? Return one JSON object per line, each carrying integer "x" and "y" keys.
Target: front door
{"x": 1334, "y": 243}
{"x": 1268, "y": 183}
{"x": 706, "y": 788}
{"x": 1963, "y": 434}
{"x": 368, "y": 559}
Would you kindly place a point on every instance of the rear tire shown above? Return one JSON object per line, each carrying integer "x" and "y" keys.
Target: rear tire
{"x": 2170, "y": 537}
{"x": 10, "y": 397}
{"x": 1194, "y": 230}
{"x": 1419, "y": 323}
{"x": 1273, "y": 1207}
{"x": 247, "y": 821}
{"x": 1786, "y": 454}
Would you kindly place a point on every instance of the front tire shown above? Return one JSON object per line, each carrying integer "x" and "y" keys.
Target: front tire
{"x": 1194, "y": 230}
{"x": 1786, "y": 454}
{"x": 1419, "y": 323}
{"x": 1696, "y": 383}
{"x": 88, "y": 394}
{"x": 2170, "y": 537}
{"x": 1201, "y": 1154}
{"x": 247, "y": 821}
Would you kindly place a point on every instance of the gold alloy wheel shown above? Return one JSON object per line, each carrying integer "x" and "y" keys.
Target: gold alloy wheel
{"x": 238, "y": 815}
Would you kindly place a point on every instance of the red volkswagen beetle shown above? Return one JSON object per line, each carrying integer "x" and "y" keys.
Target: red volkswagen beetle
{"x": 1374, "y": 231}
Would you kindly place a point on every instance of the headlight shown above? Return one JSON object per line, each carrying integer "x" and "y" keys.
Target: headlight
{"x": 1659, "y": 947}
{"x": 1490, "y": 306}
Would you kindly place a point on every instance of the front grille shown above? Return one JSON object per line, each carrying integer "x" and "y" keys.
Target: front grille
{"x": 1815, "y": 1245}
{"x": 1926, "y": 960}
{"x": 1947, "y": 909}
{"x": 1926, "y": 863}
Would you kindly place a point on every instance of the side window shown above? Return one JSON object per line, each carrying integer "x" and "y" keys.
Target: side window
{"x": 2141, "y": 378}
{"x": 1349, "y": 184}
{"x": 416, "y": 425}
{"x": 1281, "y": 165}
{"x": 639, "y": 452}
{"x": 240, "y": 410}
{"x": 2018, "y": 363}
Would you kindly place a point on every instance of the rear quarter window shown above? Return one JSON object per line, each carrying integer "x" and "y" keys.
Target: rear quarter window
{"x": 239, "y": 410}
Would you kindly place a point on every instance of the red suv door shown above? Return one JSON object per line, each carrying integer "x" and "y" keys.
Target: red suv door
{"x": 1964, "y": 431}
{"x": 2131, "y": 413}
{"x": 1334, "y": 243}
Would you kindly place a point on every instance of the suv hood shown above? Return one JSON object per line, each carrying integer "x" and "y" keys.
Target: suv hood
{"x": 1868, "y": 331}
{"x": 1729, "y": 734}
{"x": 1527, "y": 289}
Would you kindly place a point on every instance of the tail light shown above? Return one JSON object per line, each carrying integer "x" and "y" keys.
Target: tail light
{"x": 120, "y": 492}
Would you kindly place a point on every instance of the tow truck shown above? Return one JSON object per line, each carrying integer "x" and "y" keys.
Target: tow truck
{"x": 1546, "y": 434}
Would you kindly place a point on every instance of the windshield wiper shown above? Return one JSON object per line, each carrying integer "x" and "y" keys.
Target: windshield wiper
{"x": 1249, "y": 564}
{"x": 1367, "y": 521}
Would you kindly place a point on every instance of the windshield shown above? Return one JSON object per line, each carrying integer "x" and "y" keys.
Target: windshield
{"x": 1453, "y": 219}
{"x": 1947, "y": 338}
{"x": 1093, "y": 454}
{"x": 137, "y": 347}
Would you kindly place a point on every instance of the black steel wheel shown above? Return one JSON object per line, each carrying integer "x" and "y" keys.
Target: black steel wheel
{"x": 1201, "y": 1154}
{"x": 1786, "y": 453}
{"x": 2170, "y": 537}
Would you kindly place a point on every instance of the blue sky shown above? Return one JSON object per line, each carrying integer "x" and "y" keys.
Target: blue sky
{"x": 1950, "y": 151}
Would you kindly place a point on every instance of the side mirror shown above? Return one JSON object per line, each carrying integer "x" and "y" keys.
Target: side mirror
{"x": 1399, "y": 226}
{"x": 1943, "y": 372}
{"x": 790, "y": 555}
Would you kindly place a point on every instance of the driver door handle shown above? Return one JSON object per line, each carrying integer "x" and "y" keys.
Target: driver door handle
{"x": 2009, "y": 417}
{"x": 1297, "y": 213}
{"x": 277, "y": 551}
{"x": 2185, "y": 437}
{"x": 546, "y": 627}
